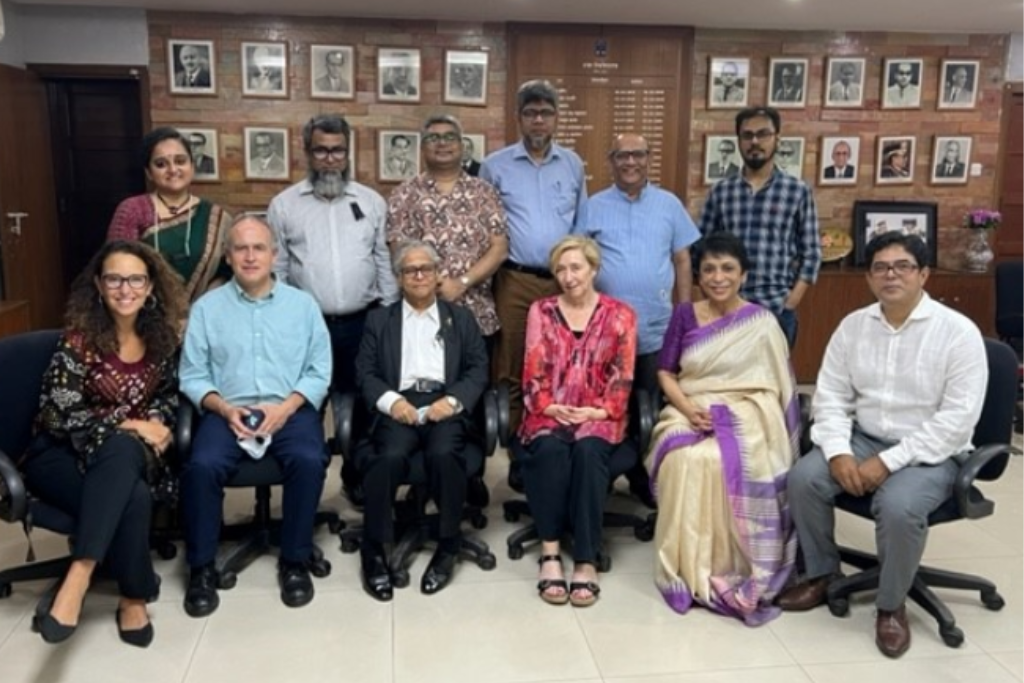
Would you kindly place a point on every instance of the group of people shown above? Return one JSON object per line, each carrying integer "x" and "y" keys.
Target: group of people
{"x": 415, "y": 301}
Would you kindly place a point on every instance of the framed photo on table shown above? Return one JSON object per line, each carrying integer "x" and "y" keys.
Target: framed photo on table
{"x": 787, "y": 83}
{"x": 191, "y": 67}
{"x": 728, "y": 82}
{"x": 958, "y": 83}
{"x": 465, "y": 77}
{"x": 265, "y": 70}
{"x": 872, "y": 218}
{"x": 205, "y": 154}
{"x": 398, "y": 74}
{"x": 331, "y": 72}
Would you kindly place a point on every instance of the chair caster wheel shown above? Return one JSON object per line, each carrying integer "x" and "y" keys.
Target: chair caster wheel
{"x": 644, "y": 532}
{"x": 487, "y": 562}
{"x": 167, "y": 550}
{"x": 604, "y": 563}
{"x": 349, "y": 545}
{"x": 952, "y": 636}
{"x": 400, "y": 578}
{"x": 511, "y": 517}
{"x": 479, "y": 521}
{"x": 515, "y": 552}
{"x": 335, "y": 526}
{"x": 839, "y": 607}
{"x": 5, "y": 590}
{"x": 227, "y": 581}
{"x": 993, "y": 601}
{"x": 320, "y": 568}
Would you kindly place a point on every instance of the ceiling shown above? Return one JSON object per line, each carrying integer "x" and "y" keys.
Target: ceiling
{"x": 952, "y": 16}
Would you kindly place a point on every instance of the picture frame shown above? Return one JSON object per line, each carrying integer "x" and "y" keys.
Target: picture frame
{"x": 465, "y": 77}
{"x": 871, "y": 218}
{"x": 398, "y": 155}
{"x": 474, "y": 150}
{"x": 191, "y": 67}
{"x": 728, "y": 82}
{"x": 265, "y": 70}
{"x": 901, "y": 83}
{"x": 789, "y": 156}
{"x": 787, "y": 82}
{"x": 266, "y": 153}
{"x": 951, "y": 160}
{"x": 894, "y": 163}
{"x": 835, "y": 167}
{"x": 332, "y": 72}
{"x": 718, "y": 162}
{"x": 958, "y": 83}
{"x": 845, "y": 82}
{"x": 205, "y": 147}
{"x": 398, "y": 74}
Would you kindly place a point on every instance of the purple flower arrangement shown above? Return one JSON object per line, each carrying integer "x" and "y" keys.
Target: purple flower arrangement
{"x": 982, "y": 219}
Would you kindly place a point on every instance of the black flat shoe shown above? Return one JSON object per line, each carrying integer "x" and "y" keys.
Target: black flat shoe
{"x": 201, "y": 599}
{"x": 377, "y": 578}
{"x": 45, "y": 624}
{"x": 139, "y": 637}
{"x": 439, "y": 572}
{"x": 296, "y": 584}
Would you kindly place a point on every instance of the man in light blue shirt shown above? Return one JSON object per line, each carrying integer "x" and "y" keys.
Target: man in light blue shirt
{"x": 543, "y": 187}
{"x": 644, "y": 234}
{"x": 257, "y": 363}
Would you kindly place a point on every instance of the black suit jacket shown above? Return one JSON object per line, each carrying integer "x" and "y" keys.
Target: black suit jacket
{"x": 959, "y": 171}
{"x": 379, "y": 363}
{"x": 830, "y": 172}
{"x": 472, "y": 168}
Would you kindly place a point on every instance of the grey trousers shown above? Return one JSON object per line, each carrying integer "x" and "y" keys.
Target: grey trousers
{"x": 900, "y": 506}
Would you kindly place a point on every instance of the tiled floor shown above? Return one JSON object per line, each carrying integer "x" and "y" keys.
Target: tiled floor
{"x": 490, "y": 627}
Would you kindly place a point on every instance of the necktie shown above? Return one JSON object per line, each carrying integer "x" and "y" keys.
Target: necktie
{"x": 846, "y": 92}
{"x": 953, "y": 93}
{"x": 725, "y": 93}
{"x": 949, "y": 169}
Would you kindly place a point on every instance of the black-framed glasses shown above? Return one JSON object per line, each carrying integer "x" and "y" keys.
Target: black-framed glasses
{"x": 419, "y": 271}
{"x": 623, "y": 155}
{"x": 113, "y": 281}
{"x": 336, "y": 153}
{"x": 438, "y": 138}
{"x": 881, "y": 268}
{"x": 751, "y": 135}
{"x": 545, "y": 114}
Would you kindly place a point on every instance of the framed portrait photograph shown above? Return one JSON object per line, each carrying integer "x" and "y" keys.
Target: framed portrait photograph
{"x": 845, "y": 82}
{"x": 839, "y": 159}
{"x": 266, "y": 154}
{"x": 789, "y": 156}
{"x": 728, "y": 81}
{"x": 398, "y": 153}
{"x": 721, "y": 158}
{"x": 787, "y": 83}
{"x": 465, "y": 77}
{"x": 205, "y": 154}
{"x": 265, "y": 70}
{"x": 871, "y": 218}
{"x": 901, "y": 83}
{"x": 398, "y": 74}
{"x": 191, "y": 67}
{"x": 331, "y": 72}
{"x": 958, "y": 83}
{"x": 474, "y": 149}
{"x": 895, "y": 161}
{"x": 951, "y": 160}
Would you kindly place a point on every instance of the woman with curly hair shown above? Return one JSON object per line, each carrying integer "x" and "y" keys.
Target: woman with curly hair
{"x": 106, "y": 415}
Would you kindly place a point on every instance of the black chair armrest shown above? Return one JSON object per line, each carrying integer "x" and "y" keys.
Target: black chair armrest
{"x": 183, "y": 429}
{"x": 345, "y": 414}
{"x": 491, "y": 421}
{"x": 647, "y": 417}
{"x": 804, "y": 401}
{"x": 13, "y": 496}
{"x": 964, "y": 482}
{"x": 504, "y": 414}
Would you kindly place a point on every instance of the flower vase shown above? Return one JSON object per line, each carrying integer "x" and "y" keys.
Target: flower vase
{"x": 978, "y": 254}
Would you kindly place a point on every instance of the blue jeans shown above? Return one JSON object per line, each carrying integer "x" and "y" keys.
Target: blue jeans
{"x": 789, "y": 324}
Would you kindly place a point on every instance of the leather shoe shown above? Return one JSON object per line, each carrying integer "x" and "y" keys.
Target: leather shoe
{"x": 296, "y": 583}
{"x": 139, "y": 637}
{"x": 439, "y": 572}
{"x": 201, "y": 599}
{"x": 892, "y": 632}
{"x": 805, "y": 595}
{"x": 377, "y": 577}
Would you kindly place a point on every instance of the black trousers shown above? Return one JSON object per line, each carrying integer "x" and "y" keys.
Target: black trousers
{"x": 645, "y": 373}
{"x": 111, "y": 502}
{"x": 443, "y": 445}
{"x": 566, "y": 486}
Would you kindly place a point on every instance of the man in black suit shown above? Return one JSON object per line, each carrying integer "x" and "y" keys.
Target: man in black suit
{"x": 195, "y": 73}
{"x": 725, "y": 166}
{"x": 471, "y": 165}
{"x": 841, "y": 166}
{"x": 951, "y": 166}
{"x": 421, "y": 368}
{"x": 201, "y": 161}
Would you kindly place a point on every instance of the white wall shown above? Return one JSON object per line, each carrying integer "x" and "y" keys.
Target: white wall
{"x": 12, "y": 45}
{"x": 79, "y": 35}
{"x": 1015, "y": 58}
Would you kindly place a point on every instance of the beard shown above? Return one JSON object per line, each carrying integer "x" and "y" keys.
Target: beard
{"x": 756, "y": 163}
{"x": 537, "y": 143}
{"x": 328, "y": 184}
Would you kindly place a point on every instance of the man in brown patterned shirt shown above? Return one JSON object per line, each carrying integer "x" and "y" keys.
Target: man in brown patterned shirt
{"x": 460, "y": 216}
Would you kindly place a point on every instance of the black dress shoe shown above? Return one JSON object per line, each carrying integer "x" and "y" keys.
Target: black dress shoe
{"x": 201, "y": 599}
{"x": 439, "y": 572}
{"x": 139, "y": 637}
{"x": 45, "y": 624}
{"x": 296, "y": 583}
{"x": 377, "y": 578}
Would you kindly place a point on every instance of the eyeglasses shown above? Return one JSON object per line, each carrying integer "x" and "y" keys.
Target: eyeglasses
{"x": 626, "y": 154}
{"x": 904, "y": 73}
{"x": 113, "y": 281}
{"x": 881, "y": 268}
{"x": 336, "y": 153}
{"x": 751, "y": 135}
{"x": 419, "y": 271}
{"x": 545, "y": 114}
{"x": 438, "y": 138}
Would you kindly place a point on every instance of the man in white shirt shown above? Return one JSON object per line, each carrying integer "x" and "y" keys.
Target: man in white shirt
{"x": 899, "y": 393}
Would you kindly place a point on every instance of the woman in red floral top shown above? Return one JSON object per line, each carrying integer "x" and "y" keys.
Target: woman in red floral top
{"x": 109, "y": 395}
{"x": 578, "y": 373}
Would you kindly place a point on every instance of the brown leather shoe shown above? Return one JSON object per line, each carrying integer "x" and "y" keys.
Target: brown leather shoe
{"x": 892, "y": 632}
{"x": 805, "y": 595}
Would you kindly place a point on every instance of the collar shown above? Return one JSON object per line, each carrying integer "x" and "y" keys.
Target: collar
{"x": 244, "y": 296}
{"x": 432, "y": 312}
{"x": 520, "y": 152}
{"x": 924, "y": 309}
{"x": 625, "y": 195}
{"x": 306, "y": 187}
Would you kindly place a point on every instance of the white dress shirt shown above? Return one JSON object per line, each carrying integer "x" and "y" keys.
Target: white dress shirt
{"x": 921, "y": 385}
{"x": 422, "y": 352}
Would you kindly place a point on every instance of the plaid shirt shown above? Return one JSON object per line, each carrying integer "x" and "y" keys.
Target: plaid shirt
{"x": 779, "y": 227}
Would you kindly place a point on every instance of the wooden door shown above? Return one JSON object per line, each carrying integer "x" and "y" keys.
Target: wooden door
{"x": 1009, "y": 242}
{"x": 28, "y": 218}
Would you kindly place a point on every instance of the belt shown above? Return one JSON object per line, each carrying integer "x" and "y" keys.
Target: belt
{"x": 426, "y": 386}
{"x": 529, "y": 270}
{"x": 349, "y": 317}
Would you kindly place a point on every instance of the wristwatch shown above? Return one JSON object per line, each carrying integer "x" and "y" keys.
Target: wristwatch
{"x": 454, "y": 403}
{"x": 465, "y": 281}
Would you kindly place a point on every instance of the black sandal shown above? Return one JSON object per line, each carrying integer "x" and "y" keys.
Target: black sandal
{"x": 546, "y": 584}
{"x": 595, "y": 591}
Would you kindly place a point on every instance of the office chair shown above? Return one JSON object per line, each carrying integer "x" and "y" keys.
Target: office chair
{"x": 259, "y": 535}
{"x": 987, "y": 463}
{"x": 624, "y": 458}
{"x": 414, "y": 528}
{"x": 24, "y": 359}
{"x": 1010, "y": 322}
